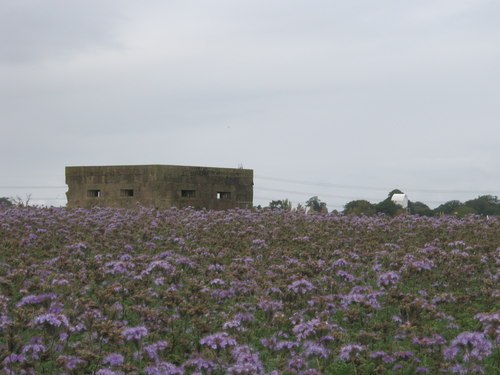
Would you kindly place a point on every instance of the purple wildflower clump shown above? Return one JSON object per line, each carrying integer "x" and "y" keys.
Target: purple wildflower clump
{"x": 36, "y": 299}
{"x": 200, "y": 365}
{"x": 107, "y": 371}
{"x": 490, "y": 324}
{"x": 236, "y": 322}
{"x": 301, "y": 286}
{"x": 313, "y": 349}
{"x": 164, "y": 368}
{"x": 275, "y": 343}
{"x": 305, "y": 329}
{"x": 215, "y": 268}
{"x": 346, "y": 276}
{"x": 114, "y": 359}
{"x": 259, "y": 244}
{"x": 369, "y": 299}
{"x": 34, "y": 349}
{"x": 70, "y": 362}
{"x": 388, "y": 279}
{"x": 386, "y": 358}
{"x": 14, "y": 358}
{"x": 434, "y": 340}
{"x": 410, "y": 263}
{"x": 296, "y": 364}
{"x": 270, "y": 306}
{"x": 135, "y": 333}
{"x": 340, "y": 263}
{"x": 246, "y": 362}
{"x": 52, "y": 320}
{"x": 218, "y": 341}
{"x": 152, "y": 350}
{"x": 473, "y": 346}
{"x": 351, "y": 351}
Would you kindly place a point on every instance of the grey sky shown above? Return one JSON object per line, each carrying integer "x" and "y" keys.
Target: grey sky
{"x": 349, "y": 99}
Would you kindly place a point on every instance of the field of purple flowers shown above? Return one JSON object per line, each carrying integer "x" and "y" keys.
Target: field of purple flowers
{"x": 108, "y": 291}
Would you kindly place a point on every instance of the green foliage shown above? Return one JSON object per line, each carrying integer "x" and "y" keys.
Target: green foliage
{"x": 419, "y": 208}
{"x": 284, "y": 205}
{"x": 448, "y": 208}
{"x": 359, "y": 207}
{"x": 315, "y": 205}
{"x": 388, "y": 207}
{"x": 5, "y": 202}
{"x": 485, "y": 205}
{"x": 454, "y": 207}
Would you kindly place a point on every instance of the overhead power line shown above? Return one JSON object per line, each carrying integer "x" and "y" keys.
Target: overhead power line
{"x": 377, "y": 188}
{"x": 307, "y": 193}
{"x": 33, "y": 187}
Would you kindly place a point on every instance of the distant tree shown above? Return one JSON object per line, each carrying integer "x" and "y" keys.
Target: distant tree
{"x": 359, "y": 207}
{"x": 315, "y": 205}
{"x": 388, "y": 207}
{"x": 300, "y": 208}
{"x": 20, "y": 202}
{"x": 454, "y": 207}
{"x": 5, "y": 202}
{"x": 485, "y": 205}
{"x": 419, "y": 208}
{"x": 284, "y": 205}
{"x": 395, "y": 191}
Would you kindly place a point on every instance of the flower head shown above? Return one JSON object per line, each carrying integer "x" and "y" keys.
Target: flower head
{"x": 135, "y": 333}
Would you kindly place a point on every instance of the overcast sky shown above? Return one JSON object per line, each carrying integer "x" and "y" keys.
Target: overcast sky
{"x": 341, "y": 99}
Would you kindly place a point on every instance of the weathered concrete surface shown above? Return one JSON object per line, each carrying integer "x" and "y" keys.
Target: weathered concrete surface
{"x": 159, "y": 186}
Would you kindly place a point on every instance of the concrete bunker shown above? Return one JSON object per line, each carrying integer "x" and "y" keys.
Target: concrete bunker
{"x": 159, "y": 186}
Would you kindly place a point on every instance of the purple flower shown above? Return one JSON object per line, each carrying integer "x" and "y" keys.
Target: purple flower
{"x": 346, "y": 276}
{"x": 135, "y": 333}
{"x": 200, "y": 364}
{"x": 270, "y": 305}
{"x": 216, "y": 268}
{"x": 339, "y": 263}
{"x": 386, "y": 358}
{"x": 312, "y": 349}
{"x": 14, "y": 358}
{"x": 259, "y": 244}
{"x": 295, "y": 364}
{"x": 70, "y": 362}
{"x": 473, "y": 344}
{"x": 305, "y": 329}
{"x": 237, "y": 321}
{"x": 51, "y": 319}
{"x": 153, "y": 349}
{"x": 246, "y": 362}
{"x": 348, "y": 352}
{"x": 388, "y": 279}
{"x": 34, "y": 348}
{"x": 36, "y": 299}
{"x": 273, "y": 343}
{"x": 107, "y": 371}
{"x": 404, "y": 355}
{"x": 113, "y": 359}
{"x": 422, "y": 370}
{"x": 218, "y": 341}
{"x": 164, "y": 368}
{"x": 435, "y": 339}
{"x": 301, "y": 286}
{"x": 491, "y": 325}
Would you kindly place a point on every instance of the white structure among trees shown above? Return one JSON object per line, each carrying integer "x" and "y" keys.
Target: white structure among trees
{"x": 400, "y": 199}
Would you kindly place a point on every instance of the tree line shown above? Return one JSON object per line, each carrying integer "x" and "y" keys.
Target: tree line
{"x": 487, "y": 205}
